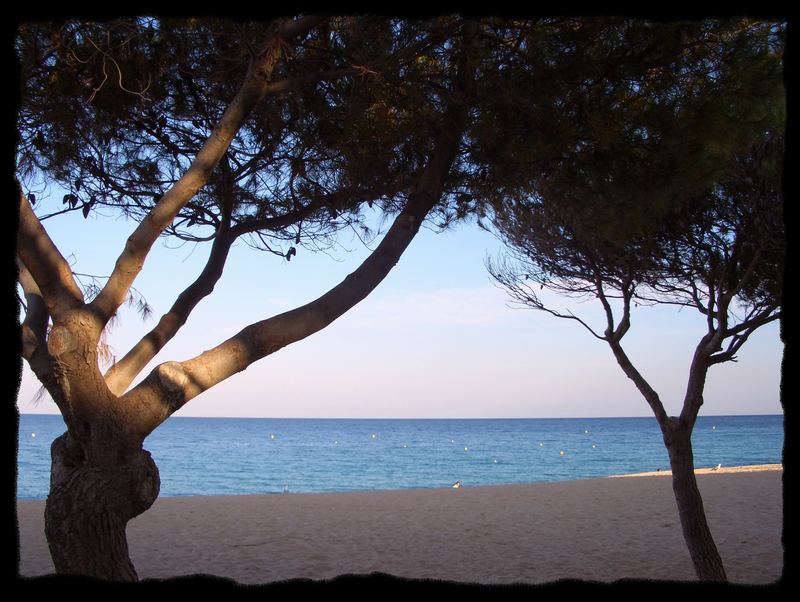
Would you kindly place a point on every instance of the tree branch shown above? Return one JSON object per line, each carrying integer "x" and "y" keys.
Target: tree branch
{"x": 625, "y": 323}
{"x": 639, "y": 381}
{"x": 524, "y": 294}
{"x": 121, "y": 374}
{"x": 739, "y": 335}
{"x": 598, "y": 283}
{"x": 34, "y": 336}
{"x": 254, "y": 88}
{"x": 45, "y": 264}
{"x": 177, "y": 383}
{"x": 34, "y": 326}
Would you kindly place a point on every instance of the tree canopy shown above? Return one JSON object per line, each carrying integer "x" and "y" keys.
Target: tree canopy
{"x": 284, "y": 132}
{"x": 601, "y": 128}
{"x": 675, "y": 202}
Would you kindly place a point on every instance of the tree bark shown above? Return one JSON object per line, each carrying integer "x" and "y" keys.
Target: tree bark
{"x": 90, "y": 504}
{"x": 696, "y": 532}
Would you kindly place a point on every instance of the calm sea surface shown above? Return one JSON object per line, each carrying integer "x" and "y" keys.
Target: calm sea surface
{"x": 224, "y": 456}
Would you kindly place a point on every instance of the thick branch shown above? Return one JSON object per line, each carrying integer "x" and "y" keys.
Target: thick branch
{"x": 253, "y": 89}
{"x": 121, "y": 374}
{"x": 172, "y": 384}
{"x": 45, "y": 264}
{"x": 184, "y": 381}
{"x": 641, "y": 383}
{"x": 695, "y": 386}
{"x": 34, "y": 336}
{"x": 34, "y": 327}
{"x": 180, "y": 382}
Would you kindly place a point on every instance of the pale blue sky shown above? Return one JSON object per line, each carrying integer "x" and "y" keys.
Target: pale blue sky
{"x": 435, "y": 340}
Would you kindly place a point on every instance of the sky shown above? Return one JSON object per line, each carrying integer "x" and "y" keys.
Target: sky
{"x": 436, "y": 339}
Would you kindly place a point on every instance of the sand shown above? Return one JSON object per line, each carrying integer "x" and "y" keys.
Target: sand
{"x": 595, "y": 529}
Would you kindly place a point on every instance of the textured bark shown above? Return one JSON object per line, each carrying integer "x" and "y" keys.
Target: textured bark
{"x": 89, "y": 506}
{"x": 696, "y": 532}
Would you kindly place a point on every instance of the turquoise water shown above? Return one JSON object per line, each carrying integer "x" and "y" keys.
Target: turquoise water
{"x": 225, "y": 456}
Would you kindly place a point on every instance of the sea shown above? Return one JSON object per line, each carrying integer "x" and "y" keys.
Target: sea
{"x": 235, "y": 456}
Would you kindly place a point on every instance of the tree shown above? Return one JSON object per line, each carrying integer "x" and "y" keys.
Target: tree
{"x": 268, "y": 164}
{"x": 278, "y": 133}
{"x": 619, "y": 228}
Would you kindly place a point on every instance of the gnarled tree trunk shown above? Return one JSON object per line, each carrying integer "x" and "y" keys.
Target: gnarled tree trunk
{"x": 92, "y": 498}
{"x": 705, "y": 556}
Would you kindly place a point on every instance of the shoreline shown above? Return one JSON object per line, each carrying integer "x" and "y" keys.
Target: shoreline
{"x": 598, "y": 529}
{"x": 698, "y": 471}
{"x": 712, "y": 470}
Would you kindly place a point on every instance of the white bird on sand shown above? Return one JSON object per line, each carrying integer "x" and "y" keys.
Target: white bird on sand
{"x": 457, "y": 484}
{"x": 717, "y": 467}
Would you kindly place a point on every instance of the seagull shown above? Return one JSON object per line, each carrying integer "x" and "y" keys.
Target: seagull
{"x": 717, "y": 467}
{"x": 457, "y": 484}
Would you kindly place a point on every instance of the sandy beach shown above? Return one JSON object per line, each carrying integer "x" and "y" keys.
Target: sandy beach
{"x": 597, "y": 529}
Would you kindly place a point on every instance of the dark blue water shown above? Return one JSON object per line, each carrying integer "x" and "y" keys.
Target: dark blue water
{"x": 223, "y": 456}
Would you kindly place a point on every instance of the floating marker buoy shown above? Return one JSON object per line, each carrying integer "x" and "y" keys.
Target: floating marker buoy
{"x": 561, "y": 452}
{"x": 541, "y": 444}
{"x": 373, "y": 435}
{"x": 466, "y": 449}
{"x": 272, "y": 436}
{"x": 33, "y": 435}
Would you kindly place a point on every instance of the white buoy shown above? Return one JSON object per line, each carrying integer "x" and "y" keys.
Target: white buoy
{"x": 272, "y": 436}
{"x": 373, "y": 435}
{"x": 561, "y": 452}
{"x": 541, "y": 444}
{"x": 466, "y": 449}
{"x": 33, "y": 435}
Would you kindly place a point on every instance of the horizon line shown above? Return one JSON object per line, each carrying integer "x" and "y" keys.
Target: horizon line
{"x": 428, "y": 418}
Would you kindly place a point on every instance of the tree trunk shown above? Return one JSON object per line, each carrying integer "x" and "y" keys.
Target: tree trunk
{"x": 90, "y": 504}
{"x": 696, "y": 533}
